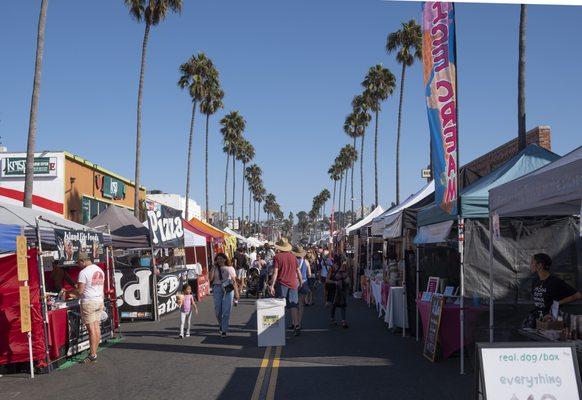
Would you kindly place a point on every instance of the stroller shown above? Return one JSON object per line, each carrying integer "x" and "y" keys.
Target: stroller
{"x": 257, "y": 279}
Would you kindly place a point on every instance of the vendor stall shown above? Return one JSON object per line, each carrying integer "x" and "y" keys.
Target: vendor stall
{"x": 195, "y": 245}
{"x": 552, "y": 191}
{"x": 438, "y": 236}
{"x": 54, "y": 244}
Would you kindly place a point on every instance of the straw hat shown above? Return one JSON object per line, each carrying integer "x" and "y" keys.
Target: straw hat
{"x": 283, "y": 245}
{"x": 298, "y": 251}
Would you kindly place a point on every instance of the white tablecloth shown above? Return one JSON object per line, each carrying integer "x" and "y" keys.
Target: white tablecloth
{"x": 377, "y": 295}
{"x": 397, "y": 312}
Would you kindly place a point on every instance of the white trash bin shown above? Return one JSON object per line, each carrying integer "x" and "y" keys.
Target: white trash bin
{"x": 271, "y": 322}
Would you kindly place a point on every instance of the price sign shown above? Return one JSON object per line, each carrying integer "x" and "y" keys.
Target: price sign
{"x": 434, "y": 324}
{"x": 25, "y": 325}
{"x": 21, "y": 258}
{"x": 528, "y": 371}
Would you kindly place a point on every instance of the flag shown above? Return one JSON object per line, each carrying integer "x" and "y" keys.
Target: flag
{"x": 440, "y": 80}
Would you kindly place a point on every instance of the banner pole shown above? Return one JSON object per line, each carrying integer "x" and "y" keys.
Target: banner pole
{"x": 417, "y": 288}
{"x": 491, "y": 236}
{"x": 404, "y": 283}
{"x": 44, "y": 309}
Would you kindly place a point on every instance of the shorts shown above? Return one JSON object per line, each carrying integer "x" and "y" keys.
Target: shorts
{"x": 241, "y": 273}
{"x": 91, "y": 311}
{"x": 304, "y": 289}
{"x": 291, "y": 295}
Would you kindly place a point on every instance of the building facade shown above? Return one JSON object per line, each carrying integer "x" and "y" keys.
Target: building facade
{"x": 65, "y": 185}
{"x": 178, "y": 202}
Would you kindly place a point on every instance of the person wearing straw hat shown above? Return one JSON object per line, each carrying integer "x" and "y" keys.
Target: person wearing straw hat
{"x": 286, "y": 279}
{"x": 305, "y": 270}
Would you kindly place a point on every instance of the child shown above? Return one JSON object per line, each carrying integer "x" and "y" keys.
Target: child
{"x": 186, "y": 302}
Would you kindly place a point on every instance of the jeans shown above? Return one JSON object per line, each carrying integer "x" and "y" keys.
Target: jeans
{"x": 222, "y": 306}
{"x": 185, "y": 319}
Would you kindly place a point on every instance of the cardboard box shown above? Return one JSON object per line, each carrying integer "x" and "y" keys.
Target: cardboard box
{"x": 549, "y": 325}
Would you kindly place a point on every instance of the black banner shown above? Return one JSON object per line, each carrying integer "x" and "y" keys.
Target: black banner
{"x": 169, "y": 284}
{"x": 133, "y": 288}
{"x": 70, "y": 243}
{"x": 165, "y": 225}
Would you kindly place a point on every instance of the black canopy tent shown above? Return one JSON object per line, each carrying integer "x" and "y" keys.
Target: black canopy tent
{"x": 127, "y": 232}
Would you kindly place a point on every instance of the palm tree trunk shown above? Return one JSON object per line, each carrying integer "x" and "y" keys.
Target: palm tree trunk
{"x": 398, "y": 134}
{"x": 250, "y": 215}
{"x": 189, "y": 159}
{"x": 345, "y": 194}
{"x": 29, "y": 168}
{"x": 352, "y": 186}
{"x": 242, "y": 202}
{"x": 138, "y": 135}
{"x": 233, "y": 187}
{"x": 226, "y": 191}
{"x": 206, "y": 170}
{"x": 376, "y": 161}
{"x": 333, "y": 201}
{"x": 362, "y": 177}
{"x": 340, "y": 200}
{"x": 521, "y": 78}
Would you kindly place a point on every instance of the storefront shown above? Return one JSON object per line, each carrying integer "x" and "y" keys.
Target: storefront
{"x": 65, "y": 185}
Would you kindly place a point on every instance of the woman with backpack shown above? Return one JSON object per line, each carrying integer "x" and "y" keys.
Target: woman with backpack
{"x": 224, "y": 289}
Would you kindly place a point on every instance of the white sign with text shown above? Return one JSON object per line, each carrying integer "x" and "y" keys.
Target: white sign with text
{"x": 529, "y": 373}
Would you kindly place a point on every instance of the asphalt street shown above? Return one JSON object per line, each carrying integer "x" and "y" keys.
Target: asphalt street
{"x": 366, "y": 361}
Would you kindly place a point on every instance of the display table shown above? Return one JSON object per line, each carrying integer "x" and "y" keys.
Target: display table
{"x": 396, "y": 309}
{"x": 450, "y": 327}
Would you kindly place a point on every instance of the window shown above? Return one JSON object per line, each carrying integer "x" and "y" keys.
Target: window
{"x": 92, "y": 208}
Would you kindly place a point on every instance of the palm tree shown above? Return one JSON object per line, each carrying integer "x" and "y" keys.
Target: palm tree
{"x": 407, "y": 42}
{"x": 362, "y": 118}
{"x": 324, "y": 196}
{"x": 352, "y": 129}
{"x": 378, "y": 85}
{"x": 247, "y": 153}
{"x": 252, "y": 176}
{"x": 334, "y": 175}
{"x": 233, "y": 125}
{"x": 152, "y": 12}
{"x": 210, "y": 104}
{"x": 521, "y": 78}
{"x": 193, "y": 75}
{"x": 31, "y": 142}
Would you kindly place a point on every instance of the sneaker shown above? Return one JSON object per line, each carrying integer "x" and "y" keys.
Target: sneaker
{"x": 332, "y": 322}
{"x": 90, "y": 359}
{"x": 291, "y": 327}
{"x": 345, "y": 325}
{"x": 188, "y": 334}
{"x": 180, "y": 336}
{"x": 297, "y": 331}
{"x": 223, "y": 334}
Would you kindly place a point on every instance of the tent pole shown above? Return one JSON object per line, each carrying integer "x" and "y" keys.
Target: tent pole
{"x": 44, "y": 309}
{"x": 491, "y": 236}
{"x": 461, "y": 239}
{"x": 404, "y": 313}
{"x": 154, "y": 284}
{"x": 417, "y": 287}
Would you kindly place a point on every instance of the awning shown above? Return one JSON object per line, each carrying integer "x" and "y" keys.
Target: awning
{"x": 127, "y": 232}
{"x": 555, "y": 189}
{"x": 382, "y": 222}
{"x": 393, "y": 226}
{"x": 191, "y": 237}
{"x": 365, "y": 221}
{"x": 435, "y": 233}
{"x": 207, "y": 230}
{"x": 8, "y": 235}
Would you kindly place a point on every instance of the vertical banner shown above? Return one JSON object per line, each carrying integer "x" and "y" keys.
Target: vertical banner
{"x": 21, "y": 258}
{"x": 165, "y": 225}
{"x": 25, "y": 322}
{"x": 439, "y": 59}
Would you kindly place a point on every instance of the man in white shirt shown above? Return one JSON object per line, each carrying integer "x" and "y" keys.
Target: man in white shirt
{"x": 252, "y": 256}
{"x": 90, "y": 290}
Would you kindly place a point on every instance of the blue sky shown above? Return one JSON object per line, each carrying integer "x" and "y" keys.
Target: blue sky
{"x": 291, "y": 68}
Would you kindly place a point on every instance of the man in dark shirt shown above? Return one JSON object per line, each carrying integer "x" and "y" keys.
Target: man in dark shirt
{"x": 547, "y": 289}
{"x": 241, "y": 265}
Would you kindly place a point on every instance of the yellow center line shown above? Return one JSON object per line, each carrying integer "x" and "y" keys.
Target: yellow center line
{"x": 261, "y": 376}
{"x": 274, "y": 373}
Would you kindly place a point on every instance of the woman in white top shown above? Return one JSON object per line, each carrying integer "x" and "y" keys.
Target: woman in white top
{"x": 224, "y": 288}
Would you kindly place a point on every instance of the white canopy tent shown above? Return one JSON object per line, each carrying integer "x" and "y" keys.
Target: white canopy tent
{"x": 235, "y": 234}
{"x": 388, "y": 217}
{"x": 365, "y": 221}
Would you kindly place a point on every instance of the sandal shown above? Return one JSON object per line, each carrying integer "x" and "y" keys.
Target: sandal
{"x": 345, "y": 325}
{"x": 89, "y": 359}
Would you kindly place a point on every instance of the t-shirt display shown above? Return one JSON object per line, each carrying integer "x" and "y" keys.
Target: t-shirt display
{"x": 551, "y": 289}
{"x": 93, "y": 278}
{"x": 286, "y": 264}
